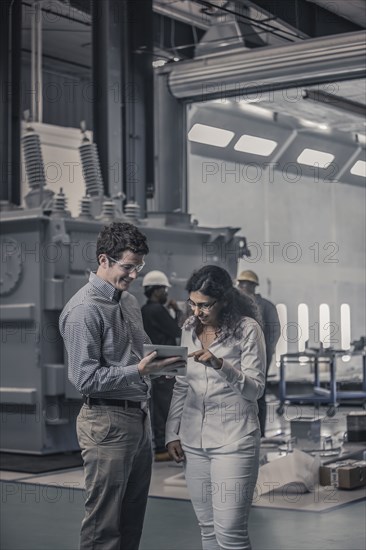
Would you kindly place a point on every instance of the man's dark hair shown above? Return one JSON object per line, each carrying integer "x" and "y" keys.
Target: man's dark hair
{"x": 214, "y": 281}
{"x": 148, "y": 290}
{"x": 117, "y": 237}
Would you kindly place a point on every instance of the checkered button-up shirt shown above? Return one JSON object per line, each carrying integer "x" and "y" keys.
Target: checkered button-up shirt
{"x": 104, "y": 336}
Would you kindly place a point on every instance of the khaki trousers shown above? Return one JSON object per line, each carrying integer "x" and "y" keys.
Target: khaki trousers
{"x": 117, "y": 455}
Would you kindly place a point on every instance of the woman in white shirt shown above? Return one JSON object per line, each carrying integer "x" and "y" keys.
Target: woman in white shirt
{"x": 213, "y": 423}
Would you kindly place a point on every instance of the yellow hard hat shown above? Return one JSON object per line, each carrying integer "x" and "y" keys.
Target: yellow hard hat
{"x": 248, "y": 275}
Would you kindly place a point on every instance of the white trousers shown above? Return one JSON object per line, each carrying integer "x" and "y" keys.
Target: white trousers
{"x": 221, "y": 482}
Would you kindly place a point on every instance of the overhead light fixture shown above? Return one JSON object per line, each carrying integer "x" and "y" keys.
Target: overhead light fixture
{"x": 332, "y": 100}
{"x": 230, "y": 31}
{"x": 359, "y": 169}
{"x": 210, "y": 135}
{"x": 312, "y": 124}
{"x": 361, "y": 138}
{"x": 255, "y": 145}
{"x": 256, "y": 110}
{"x": 309, "y": 123}
{"x": 249, "y": 100}
{"x": 240, "y": 102}
{"x": 312, "y": 157}
{"x": 159, "y": 63}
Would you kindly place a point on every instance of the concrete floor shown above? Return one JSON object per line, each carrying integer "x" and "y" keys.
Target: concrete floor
{"x": 43, "y": 512}
{"x": 50, "y": 520}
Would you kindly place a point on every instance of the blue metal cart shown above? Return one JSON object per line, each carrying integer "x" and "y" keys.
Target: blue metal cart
{"x": 320, "y": 395}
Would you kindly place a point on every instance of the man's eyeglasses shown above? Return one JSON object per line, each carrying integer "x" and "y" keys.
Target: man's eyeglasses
{"x": 128, "y": 268}
{"x": 205, "y": 307}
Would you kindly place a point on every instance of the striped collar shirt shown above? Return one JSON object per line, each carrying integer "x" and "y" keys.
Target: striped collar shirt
{"x": 104, "y": 336}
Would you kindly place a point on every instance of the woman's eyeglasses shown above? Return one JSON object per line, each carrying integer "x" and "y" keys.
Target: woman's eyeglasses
{"x": 205, "y": 307}
{"x": 128, "y": 268}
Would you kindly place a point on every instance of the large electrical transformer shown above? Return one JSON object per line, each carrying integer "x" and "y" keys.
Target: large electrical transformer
{"x": 46, "y": 256}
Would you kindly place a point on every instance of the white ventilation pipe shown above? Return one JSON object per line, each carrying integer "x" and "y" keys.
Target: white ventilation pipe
{"x": 36, "y": 62}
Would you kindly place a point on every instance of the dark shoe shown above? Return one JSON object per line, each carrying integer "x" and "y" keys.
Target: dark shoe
{"x": 162, "y": 457}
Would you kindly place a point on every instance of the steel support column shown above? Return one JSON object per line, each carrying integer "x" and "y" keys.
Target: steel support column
{"x": 10, "y": 66}
{"x": 123, "y": 103}
{"x": 170, "y": 146}
{"x": 5, "y": 99}
{"x": 138, "y": 100}
{"x": 107, "y": 85}
{"x": 16, "y": 115}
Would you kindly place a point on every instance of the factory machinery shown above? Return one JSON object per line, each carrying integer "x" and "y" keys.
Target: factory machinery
{"x": 46, "y": 256}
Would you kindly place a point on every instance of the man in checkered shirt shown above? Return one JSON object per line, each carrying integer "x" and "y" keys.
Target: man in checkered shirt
{"x": 103, "y": 334}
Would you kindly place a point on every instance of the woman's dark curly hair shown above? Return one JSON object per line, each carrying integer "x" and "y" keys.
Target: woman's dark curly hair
{"x": 117, "y": 237}
{"x": 216, "y": 282}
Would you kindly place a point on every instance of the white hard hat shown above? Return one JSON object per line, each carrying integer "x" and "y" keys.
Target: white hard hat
{"x": 155, "y": 278}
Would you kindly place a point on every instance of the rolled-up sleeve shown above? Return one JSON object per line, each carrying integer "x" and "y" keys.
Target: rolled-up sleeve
{"x": 249, "y": 380}
{"x": 177, "y": 404}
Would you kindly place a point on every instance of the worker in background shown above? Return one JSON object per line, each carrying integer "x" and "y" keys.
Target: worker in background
{"x": 247, "y": 282}
{"x": 162, "y": 328}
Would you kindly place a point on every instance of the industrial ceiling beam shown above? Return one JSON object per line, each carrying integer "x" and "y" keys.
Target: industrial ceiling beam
{"x": 238, "y": 74}
{"x": 332, "y": 100}
{"x": 310, "y": 18}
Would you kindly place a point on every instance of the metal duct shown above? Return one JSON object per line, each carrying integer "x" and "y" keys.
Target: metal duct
{"x": 318, "y": 60}
{"x": 229, "y": 32}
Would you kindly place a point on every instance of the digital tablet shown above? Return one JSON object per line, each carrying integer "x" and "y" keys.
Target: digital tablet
{"x": 168, "y": 351}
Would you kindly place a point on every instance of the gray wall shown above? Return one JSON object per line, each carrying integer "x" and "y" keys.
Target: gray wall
{"x": 67, "y": 97}
{"x": 325, "y": 220}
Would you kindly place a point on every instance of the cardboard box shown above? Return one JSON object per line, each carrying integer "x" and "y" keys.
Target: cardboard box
{"x": 348, "y": 474}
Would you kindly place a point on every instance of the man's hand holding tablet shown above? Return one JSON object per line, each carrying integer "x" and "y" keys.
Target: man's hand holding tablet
{"x": 163, "y": 360}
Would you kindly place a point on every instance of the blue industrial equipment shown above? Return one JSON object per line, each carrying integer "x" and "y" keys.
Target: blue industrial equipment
{"x": 321, "y": 394}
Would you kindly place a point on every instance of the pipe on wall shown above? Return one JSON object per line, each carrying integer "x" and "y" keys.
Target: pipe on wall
{"x": 339, "y": 57}
{"x": 36, "y": 63}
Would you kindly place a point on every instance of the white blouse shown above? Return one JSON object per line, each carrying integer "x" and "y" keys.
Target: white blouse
{"x": 212, "y": 408}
